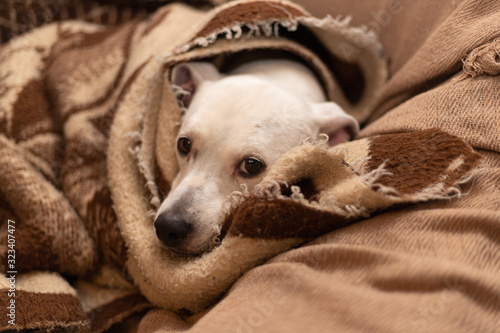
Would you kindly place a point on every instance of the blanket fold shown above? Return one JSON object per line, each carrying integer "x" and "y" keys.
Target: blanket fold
{"x": 87, "y": 154}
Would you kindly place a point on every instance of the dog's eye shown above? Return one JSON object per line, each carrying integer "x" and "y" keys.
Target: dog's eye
{"x": 184, "y": 146}
{"x": 251, "y": 166}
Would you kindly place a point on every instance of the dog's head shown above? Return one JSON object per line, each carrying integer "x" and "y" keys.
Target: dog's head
{"x": 234, "y": 129}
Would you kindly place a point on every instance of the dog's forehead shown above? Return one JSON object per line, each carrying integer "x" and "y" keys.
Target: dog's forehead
{"x": 242, "y": 105}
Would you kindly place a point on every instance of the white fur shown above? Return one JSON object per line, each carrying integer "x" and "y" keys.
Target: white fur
{"x": 261, "y": 110}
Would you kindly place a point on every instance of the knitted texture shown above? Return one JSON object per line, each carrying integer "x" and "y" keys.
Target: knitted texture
{"x": 88, "y": 126}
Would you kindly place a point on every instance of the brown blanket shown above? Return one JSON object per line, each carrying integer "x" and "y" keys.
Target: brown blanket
{"x": 433, "y": 267}
{"x": 81, "y": 176}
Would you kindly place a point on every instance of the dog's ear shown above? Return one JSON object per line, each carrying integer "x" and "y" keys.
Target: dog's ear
{"x": 333, "y": 121}
{"x": 190, "y": 75}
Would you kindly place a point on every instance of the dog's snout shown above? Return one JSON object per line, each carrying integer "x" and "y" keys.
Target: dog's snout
{"x": 171, "y": 230}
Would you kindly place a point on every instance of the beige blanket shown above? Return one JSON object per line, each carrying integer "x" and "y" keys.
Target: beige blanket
{"x": 87, "y": 114}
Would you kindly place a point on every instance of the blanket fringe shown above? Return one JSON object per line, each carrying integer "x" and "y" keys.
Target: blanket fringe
{"x": 179, "y": 93}
{"x": 371, "y": 178}
{"x": 270, "y": 28}
{"x": 266, "y": 28}
{"x": 145, "y": 171}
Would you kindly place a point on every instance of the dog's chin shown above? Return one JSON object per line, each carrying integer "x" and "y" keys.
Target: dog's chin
{"x": 190, "y": 252}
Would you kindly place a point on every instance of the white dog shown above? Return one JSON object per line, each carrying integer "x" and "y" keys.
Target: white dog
{"x": 235, "y": 128}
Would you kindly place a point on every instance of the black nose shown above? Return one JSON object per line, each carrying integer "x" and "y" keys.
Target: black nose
{"x": 171, "y": 230}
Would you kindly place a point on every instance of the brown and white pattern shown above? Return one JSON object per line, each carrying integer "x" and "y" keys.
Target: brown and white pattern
{"x": 86, "y": 130}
